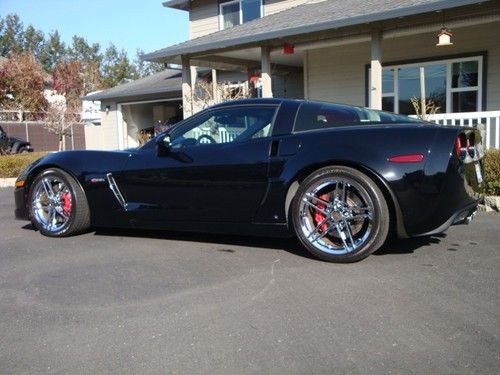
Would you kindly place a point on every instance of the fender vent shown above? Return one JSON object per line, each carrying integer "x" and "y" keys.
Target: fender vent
{"x": 116, "y": 191}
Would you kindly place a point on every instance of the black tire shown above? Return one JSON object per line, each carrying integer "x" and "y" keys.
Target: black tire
{"x": 65, "y": 207}
{"x": 23, "y": 150}
{"x": 340, "y": 215}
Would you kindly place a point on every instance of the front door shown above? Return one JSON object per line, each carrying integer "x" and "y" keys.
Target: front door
{"x": 216, "y": 169}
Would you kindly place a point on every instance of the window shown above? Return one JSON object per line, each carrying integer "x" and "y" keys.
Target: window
{"x": 224, "y": 126}
{"x": 236, "y": 12}
{"x": 313, "y": 116}
{"x": 454, "y": 85}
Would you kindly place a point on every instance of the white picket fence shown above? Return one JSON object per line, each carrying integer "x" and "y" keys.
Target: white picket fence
{"x": 488, "y": 122}
{"x": 223, "y": 135}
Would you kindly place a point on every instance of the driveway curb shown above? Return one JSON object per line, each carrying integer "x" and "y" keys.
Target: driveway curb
{"x": 7, "y": 182}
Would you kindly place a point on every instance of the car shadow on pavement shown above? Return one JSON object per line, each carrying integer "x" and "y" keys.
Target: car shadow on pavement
{"x": 290, "y": 245}
{"x": 408, "y": 245}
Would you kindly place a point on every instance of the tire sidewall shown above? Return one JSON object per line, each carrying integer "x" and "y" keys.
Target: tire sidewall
{"x": 380, "y": 227}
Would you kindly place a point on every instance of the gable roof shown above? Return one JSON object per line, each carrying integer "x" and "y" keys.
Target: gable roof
{"x": 306, "y": 18}
{"x": 166, "y": 81}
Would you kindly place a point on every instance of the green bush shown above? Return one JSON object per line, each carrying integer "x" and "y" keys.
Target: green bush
{"x": 13, "y": 165}
{"x": 492, "y": 172}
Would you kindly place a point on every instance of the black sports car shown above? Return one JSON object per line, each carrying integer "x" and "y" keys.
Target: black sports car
{"x": 338, "y": 177}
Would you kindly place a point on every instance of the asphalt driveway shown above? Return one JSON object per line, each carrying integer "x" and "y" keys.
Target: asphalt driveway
{"x": 121, "y": 302}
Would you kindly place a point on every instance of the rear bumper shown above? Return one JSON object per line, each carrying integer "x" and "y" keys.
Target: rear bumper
{"x": 21, "y": 211}
{"x": 462, "y": 216}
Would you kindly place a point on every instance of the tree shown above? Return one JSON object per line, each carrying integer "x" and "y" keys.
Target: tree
{"x": 22, "y": 84}
{"x": 68, "y": 81}
{"x": 59, "y": 118}
{"x": 145, "y": 68}
{"x": 90, "y": 60}
{"x": 116, "y": 67}
{"x": 11, "y": 31}
{"x": 205, "y": 94}
{"x": 33, "y": 41}
{"x": 53, "y": 52}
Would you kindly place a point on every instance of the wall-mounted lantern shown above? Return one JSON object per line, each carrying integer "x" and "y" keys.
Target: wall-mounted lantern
{"x": 444, "y": 38}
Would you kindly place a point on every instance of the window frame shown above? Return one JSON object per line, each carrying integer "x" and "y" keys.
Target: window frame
{"x": 224, "y": 3}
{"x": 448, "y": 61}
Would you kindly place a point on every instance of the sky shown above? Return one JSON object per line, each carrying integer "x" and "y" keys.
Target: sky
{"x": 129, "y": 24}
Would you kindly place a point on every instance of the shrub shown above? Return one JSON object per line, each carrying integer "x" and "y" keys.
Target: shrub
{"x": 492, "y": 172}
{"x": 13, "y": 165}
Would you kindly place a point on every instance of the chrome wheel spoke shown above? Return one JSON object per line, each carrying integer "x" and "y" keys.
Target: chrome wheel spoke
{"x": 49, "y": 224}
{"x": 60, "y": 212}
{"x": 48, "y": 188}
{"x": 316, "y": 230}
{"x": 348, "y": 229}
{"x": 324, "y": 233}
{"x": 314, "y": 207}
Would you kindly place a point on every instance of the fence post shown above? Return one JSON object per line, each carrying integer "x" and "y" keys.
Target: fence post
{"x": 72, "y": 138}
{"x": 27, "y": 131}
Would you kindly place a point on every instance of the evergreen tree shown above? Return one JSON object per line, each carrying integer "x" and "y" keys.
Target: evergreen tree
{"x": 33, "y": 41}
{"x": 116, "y": 68}
{"x": 90, "y": 58}
{"x": 145, "y": 68}
{"x": 53, "y": 52}
{"x": 11, "y": 34}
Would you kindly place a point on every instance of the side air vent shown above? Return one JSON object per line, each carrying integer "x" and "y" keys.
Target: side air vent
{"x": 116, "y": 191}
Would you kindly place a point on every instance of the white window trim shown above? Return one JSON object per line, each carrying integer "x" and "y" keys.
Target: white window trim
{"x": 221, "y": 17}
{"x": 449, "y": 90}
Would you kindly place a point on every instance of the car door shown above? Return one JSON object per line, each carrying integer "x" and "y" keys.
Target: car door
{"x": 214, "y": 168}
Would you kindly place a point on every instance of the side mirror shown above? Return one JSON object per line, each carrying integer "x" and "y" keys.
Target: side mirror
{"x": 163, "y": 145}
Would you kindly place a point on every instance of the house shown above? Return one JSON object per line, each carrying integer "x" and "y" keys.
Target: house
{"x": 134, "y": 109}
{"x": 377, "y": 53}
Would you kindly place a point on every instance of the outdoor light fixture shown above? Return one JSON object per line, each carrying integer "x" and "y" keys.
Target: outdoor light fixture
{"x": 108, "y": 107}
{"x": 444, "y": 38}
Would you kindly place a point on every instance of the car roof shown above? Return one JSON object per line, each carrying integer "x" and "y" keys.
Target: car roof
{"x": 270, "y": 101}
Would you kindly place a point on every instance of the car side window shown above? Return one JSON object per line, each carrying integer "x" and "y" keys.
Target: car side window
{"x": 312, "y": 116}
{"x": 225, "y": 125}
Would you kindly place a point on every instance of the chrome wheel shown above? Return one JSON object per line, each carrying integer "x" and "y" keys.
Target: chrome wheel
{"x": 51, "y": 204}
{"x": 336, "y": 215}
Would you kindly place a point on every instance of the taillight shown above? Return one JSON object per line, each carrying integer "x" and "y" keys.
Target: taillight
{"x": 461, "y": 146}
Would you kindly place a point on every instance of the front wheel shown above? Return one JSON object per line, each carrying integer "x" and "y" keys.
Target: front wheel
{"x": 340, "y": 215}
{"x": 57, "y": 204}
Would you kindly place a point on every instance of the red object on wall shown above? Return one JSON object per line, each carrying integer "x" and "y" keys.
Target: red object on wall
{"x": 288, "y": 49}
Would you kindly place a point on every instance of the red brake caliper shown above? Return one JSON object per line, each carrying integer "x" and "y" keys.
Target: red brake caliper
{"x": 66, "y": 200}
{"x": 318, "y": 216}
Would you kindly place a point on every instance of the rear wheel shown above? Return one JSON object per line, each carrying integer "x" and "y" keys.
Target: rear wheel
{"x": 57, "y": 204}
{"x": 23, "y": 150}
{"x": 340, "y": 215}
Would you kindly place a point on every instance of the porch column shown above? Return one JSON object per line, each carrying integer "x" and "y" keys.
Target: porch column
{"x": 187, "y": 87}
{"x": 376, "y": 71}
{"x": 265, "y": 75}
{"x": 214, "y": 86}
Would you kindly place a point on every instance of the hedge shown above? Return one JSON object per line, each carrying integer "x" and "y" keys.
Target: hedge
{"x": 491, "y": 172}
{"x": 13, "y": 165}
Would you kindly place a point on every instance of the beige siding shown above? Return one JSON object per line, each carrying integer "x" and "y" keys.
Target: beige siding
{"x": 109, "y": 126}
{"x": 203, "y": 18}
{"x": 338, "y": 73}
{"x": 93, "y": 137}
